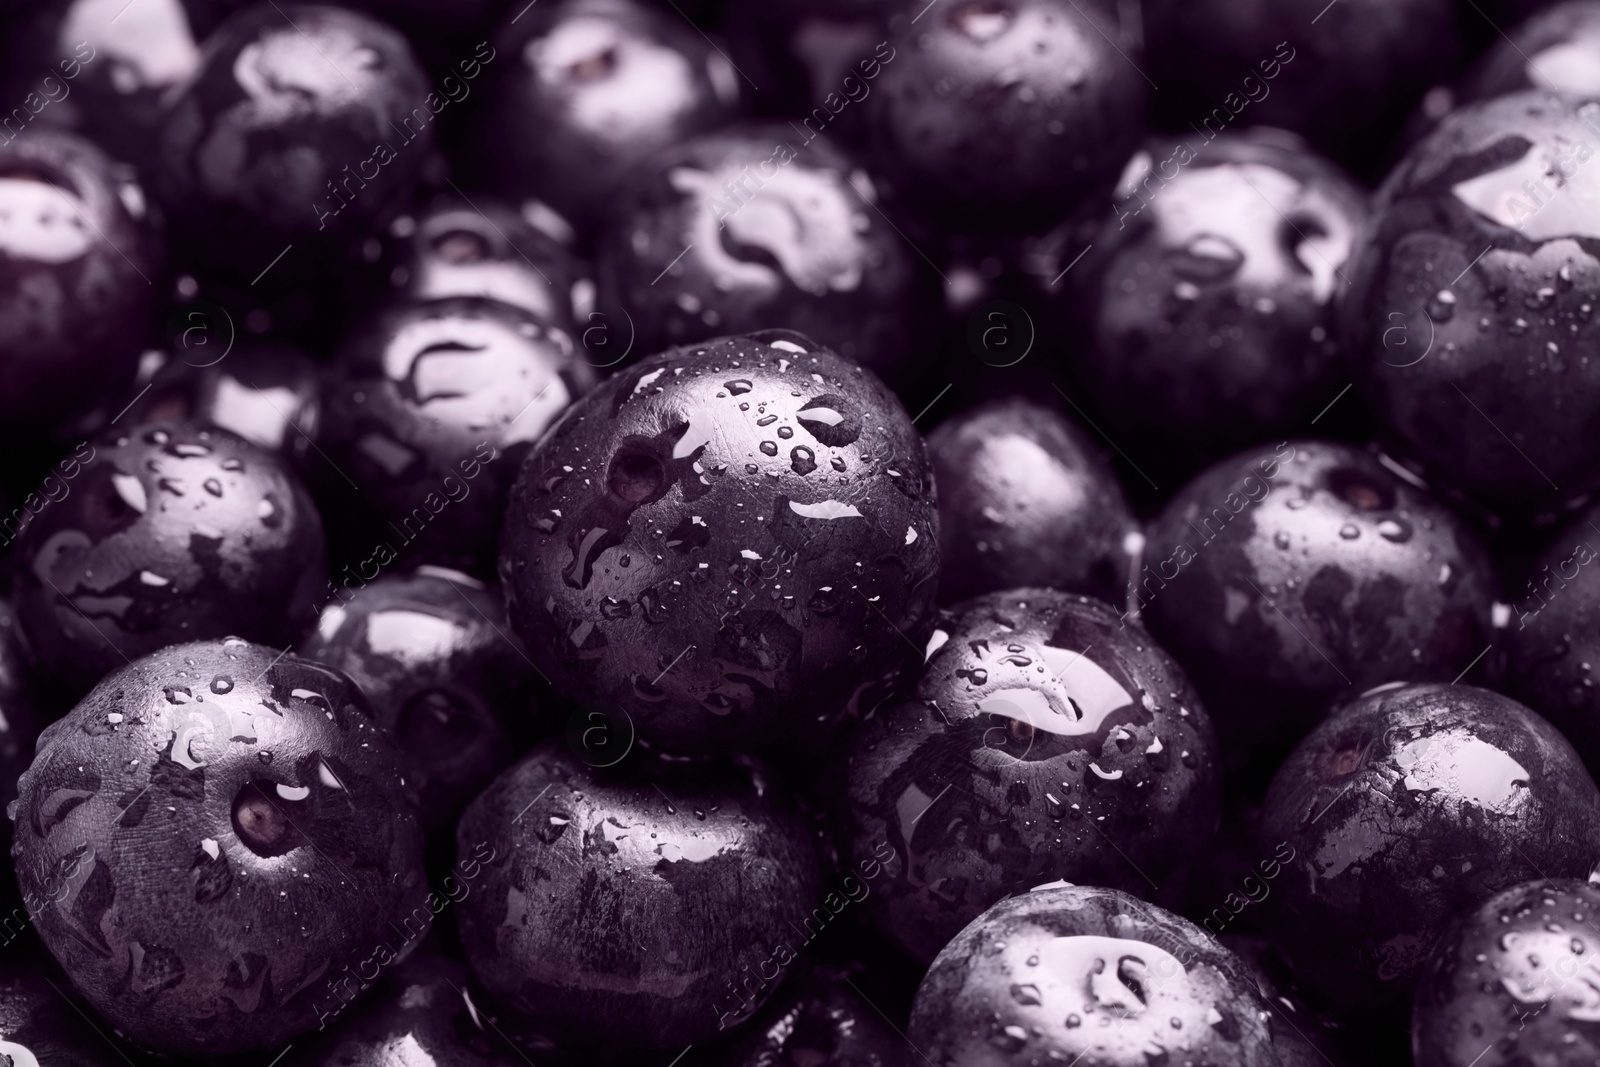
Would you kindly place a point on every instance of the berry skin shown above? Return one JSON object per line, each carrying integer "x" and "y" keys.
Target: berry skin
{"x": 430, "y": 652}
{"x": 1043, "y": 741}
{"x": 669, "y": 896}
{"x": 430, "y": 410}
{"x": 1404, "y": 807}
{"x": 1513, "y": 981}
{"x": 212, "y": 839}
{"x": 1026, "y": 499}
{"x": 1471, "y": 306}
{"x": 1079, "y": 974}
{"x": 1286, "y": 576}
{"x": 168, "y": 533}
{"x": 1210, "y": 300}
{"x": 1010, "y": 110}
{"x": 77, "y": 273}
{"x": 302, "y": 125}
{"x": 733, "y": 543}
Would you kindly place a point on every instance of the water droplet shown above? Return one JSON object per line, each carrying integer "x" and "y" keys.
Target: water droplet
{"x": 1393, "y": 530}
{"x": 737, "y": 387}
{"x": 1443, "y": 306}
{"x": 769, "y": 448}
{"x": 1281, "y": 539}
{"x": 1349, "y": 531}
{"x": 801, "y": 459}
{"x": 212, "y": 486}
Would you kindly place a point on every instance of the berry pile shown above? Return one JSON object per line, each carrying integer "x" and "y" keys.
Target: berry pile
{"x": 827, "y": 533}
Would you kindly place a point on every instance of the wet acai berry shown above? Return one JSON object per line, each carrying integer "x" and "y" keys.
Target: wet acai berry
{"x": 77, "y": 277}
{"x": 1094, "y": 976}
{"x": 171, "y": 532}
{"x": 1469, "y": 318}
{"x": 1009, "y": 110}
{"x": 1342, "y": 75}
{"x": 303, "y": 125}
{"x": 1209, "y": 294}
{"x": 431, "y": 652}
{"x": 1289, "y": 575}
{"x": 757, "y": 227}
{"x": 1044, "y": 740}
{"x": 730, "y": 542}
{"x": 1556, "y": 50}
{"x": 1404, "y": 807}
{"x": 586, "y": 91}
{"x": 430, "y": 409}
{"x": 707, "y": 873}
{"x": 1513, "y": 981}
{"x": 1026, "y": 499}
{"x": 215, "y": 843}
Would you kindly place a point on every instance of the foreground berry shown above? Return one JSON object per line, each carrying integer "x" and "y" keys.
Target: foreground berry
{"x": 168, "y": 533}
{"x": 667, "y": 895}
{"x": 302, "y": 125}
{"x": 77, "y": 270}
{"x": 1068, "y": 974}
{"x": 211, "y": 838}
{"x": 1211, "y": 305}
{"x": 731, "y": 542}
{"x": 1470, "y": 314}
{"x": 1405, "y": 807}
{"x": 430, "y": 651}
{"x": 1514, "y": 981}
{"x": 1044, "y": 740}
{"x": 1283, "y": 577}
{"x": 1026, "y": 499}
{"x": 1010, "y": 109}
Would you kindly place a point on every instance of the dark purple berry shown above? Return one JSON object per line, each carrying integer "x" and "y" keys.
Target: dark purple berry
{"x": 652, "y": 906}
{"x": 732, "y": 542}
{"x": 1044, "y": 740}
{"x": 1405, "y": 807}
{"x": 170, "y": 532}
{"x": 1026, "y": 499}
{"x": 211, "y": 839}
